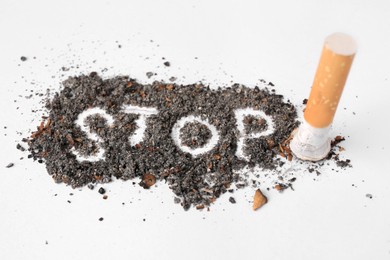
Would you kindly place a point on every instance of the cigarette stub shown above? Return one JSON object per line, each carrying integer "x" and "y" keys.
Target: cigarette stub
{"x": 332, "y": 72}
{"x": 311, "y": 140}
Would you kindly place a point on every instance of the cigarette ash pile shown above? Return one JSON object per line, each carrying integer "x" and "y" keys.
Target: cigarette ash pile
{"x": 191, "y": 137}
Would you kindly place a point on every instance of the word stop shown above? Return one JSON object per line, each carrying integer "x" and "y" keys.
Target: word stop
{"x": 141, "y": 122}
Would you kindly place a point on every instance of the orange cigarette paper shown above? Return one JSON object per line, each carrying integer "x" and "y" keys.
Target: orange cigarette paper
{"x": 329, "y": 81}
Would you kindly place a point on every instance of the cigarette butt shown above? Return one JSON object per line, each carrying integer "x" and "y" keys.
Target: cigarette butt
{"x": 311, "y": 140}
{"x": 332, "y": 72}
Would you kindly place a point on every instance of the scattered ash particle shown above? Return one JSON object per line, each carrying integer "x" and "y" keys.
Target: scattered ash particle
{"x": 172, "y": 79}
{"x": 281, "y": 187}
{"x": 232, "y": 200}
{"x": 368, "y": 195}
{"x": 102, "y": 190}
{"x": 338, "y": 139}
{"x": 69, "y": 201}
{"x": 10, "y": 165}
{"x": 200, "y": 207}
{"x": 343, "y": 163}
{"x": 167, "y": 63}
{"x": 23, "y": 58}
{"x": 91, "y": 186}
{"x": 101, "y": 219}
{"x": 149, "y": 74}
{"x": 105, "y": 197}
{"x": 21, "y": 148}
{"x": 304, "y": 102}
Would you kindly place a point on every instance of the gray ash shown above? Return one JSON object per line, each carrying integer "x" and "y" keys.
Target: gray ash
{"x": 253, "y": 124}
{"x": 343, "y": 163}
{"x": 334, "y": 153}
{"x": 10, "y": 165}
{"x": 195, "y": 135}
{"x": 195, "y": 181}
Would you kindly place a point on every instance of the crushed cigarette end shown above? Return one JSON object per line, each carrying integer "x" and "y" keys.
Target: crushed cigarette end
{"x": 259, "y": 200}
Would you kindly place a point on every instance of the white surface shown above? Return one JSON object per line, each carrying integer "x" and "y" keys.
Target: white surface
{"x": 240, "y": 41}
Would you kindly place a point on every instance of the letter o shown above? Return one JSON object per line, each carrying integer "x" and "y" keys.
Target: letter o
{"x": 194, "y": 151}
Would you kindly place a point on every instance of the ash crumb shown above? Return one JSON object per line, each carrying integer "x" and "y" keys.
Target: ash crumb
{"x": 167, "y": 63}
{"x": 281, "y": 187}
{"x": 23, "y": 58}
{"x": 343, "y": 163}
{"x": 172, "y": 79}
{"x": 20, "y": 147}
{"x": 368, "y": 195}
{"x": 10, "y": 165}
{"x": 232, "y": 200}
{"x": 101, "y": 219}
{"x": 149, "y": 74}
{"x": 102, "y": 190}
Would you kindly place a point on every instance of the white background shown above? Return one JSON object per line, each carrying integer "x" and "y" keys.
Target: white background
{"x": 234, "y": 41}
